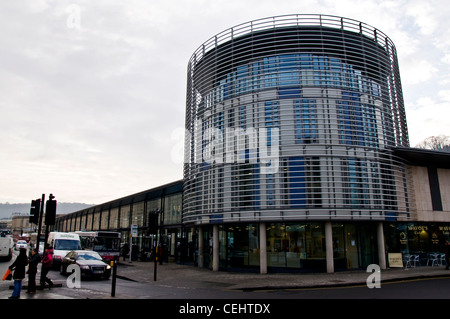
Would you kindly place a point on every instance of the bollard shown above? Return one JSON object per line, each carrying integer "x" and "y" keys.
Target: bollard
{"x": 114, "y": 275}
{"x": 156, "y": 263}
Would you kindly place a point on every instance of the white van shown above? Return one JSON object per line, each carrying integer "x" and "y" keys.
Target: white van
{"x": 6, "y": 248}
{"x": 62, "y": 243}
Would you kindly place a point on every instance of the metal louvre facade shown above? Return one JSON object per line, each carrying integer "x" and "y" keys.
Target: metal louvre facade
{"x": 294, "y": 118}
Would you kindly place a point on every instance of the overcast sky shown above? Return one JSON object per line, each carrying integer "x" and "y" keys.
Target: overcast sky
{"x": 92, "y": 93}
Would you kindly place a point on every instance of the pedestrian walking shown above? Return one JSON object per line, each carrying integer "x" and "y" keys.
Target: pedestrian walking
{"x": 47, "y": 261}
{"x": 19, "y": 267}
{"x": 32, "y": 270}
{"x": 125, "y": 250}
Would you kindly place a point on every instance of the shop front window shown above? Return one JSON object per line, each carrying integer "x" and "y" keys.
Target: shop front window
{"x": 239, "y": 245}
{"x": 137, "y": 216}
{"x": 114, "y": 218}
{"x": 292, "y": 245}
{"x": 420, "y": 239}
{"x": 425, "y": 238}
{"x": 339, "y": 251}
{"x": 276, "y": 245}
{"x": 125, "y": 216}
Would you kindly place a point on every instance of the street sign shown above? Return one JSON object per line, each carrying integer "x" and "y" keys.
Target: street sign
{"x": 134, "y": 230}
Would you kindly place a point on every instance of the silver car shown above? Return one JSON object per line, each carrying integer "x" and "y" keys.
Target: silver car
{"x": 21, "y": 244}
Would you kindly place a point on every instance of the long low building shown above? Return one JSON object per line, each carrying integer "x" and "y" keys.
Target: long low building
{"x": 164, "y": 202}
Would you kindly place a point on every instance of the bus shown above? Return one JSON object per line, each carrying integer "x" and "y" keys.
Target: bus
{"x": 106, "y": 243}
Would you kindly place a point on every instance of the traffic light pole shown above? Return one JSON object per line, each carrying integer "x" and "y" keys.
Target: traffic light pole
{"x": 50, "y": 213}
{"x": 50, "y": 216}
{"x": 41, "y": 215}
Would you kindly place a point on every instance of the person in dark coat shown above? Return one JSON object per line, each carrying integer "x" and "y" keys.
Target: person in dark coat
{"x": 125, "y": 250}
{"x": 19, "y": 267}
{"x": 32, "y": 270}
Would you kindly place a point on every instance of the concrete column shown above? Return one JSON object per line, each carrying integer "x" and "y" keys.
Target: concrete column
{"x": 329, "y": 246}
{"x": 200, "y": 247}
{"x": 262, "y": 248}
{"x": 215, "y": 247}
{"x": 381, "y": 246}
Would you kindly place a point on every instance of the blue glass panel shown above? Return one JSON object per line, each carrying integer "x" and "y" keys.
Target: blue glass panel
{"x": 297, "y": 189}
{"x": 289, "y": 93}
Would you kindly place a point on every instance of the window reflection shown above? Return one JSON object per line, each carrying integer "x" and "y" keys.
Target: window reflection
{"x": 299, "y": 245}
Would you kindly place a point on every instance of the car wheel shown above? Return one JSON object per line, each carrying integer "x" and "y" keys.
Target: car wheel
{"x": 61, "y": 270}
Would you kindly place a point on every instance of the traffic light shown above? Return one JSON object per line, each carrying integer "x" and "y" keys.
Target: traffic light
{"x": 50, "y": 211}
{"x": 34, "y": 211}
{"x": 153, "y": 222}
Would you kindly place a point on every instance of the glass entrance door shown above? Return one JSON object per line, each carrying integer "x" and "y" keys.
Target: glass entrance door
{"x": 351, "y": 246}
{"x": 368, "y": 250}
{"x": 360, "y": 245}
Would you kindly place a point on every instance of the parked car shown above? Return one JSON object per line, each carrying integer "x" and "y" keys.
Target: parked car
{"x": 90, "y": 263}
{"x": 21, "y": 244}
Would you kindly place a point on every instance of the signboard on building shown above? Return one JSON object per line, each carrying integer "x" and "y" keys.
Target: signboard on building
{"x": 395, "y": 260}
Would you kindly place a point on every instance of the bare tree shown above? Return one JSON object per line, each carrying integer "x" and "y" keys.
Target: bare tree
{"x": 438, "y": 143}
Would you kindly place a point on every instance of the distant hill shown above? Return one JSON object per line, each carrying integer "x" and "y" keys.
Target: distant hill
{"x": 7, "y": 209}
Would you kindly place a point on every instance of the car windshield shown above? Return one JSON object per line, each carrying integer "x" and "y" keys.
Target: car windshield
{"x": 89, "y": 257}
{"x": 66, "y": 244}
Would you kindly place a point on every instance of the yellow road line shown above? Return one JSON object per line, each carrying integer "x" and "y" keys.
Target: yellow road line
{"x": 354, "y": 286}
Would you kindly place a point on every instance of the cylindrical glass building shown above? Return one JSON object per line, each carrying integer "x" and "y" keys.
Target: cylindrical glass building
{"x": 291, "y": 120}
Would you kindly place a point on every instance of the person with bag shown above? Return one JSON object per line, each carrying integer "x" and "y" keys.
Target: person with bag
{"x": 32, "y": 270}
{"x": 47, "y": 262}
{"x": 7, "y": 275}
{"x": 19, "y": 268}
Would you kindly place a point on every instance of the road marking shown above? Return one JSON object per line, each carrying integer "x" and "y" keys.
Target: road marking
{"x": 350, "y": 285}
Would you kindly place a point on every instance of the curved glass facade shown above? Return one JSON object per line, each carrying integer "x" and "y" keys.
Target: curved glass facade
{"x": 293, "y": 118}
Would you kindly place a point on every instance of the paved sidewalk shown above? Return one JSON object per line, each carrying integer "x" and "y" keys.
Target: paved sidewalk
{"x": 185, "y": 276}
{"x": 190, "y": 276}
